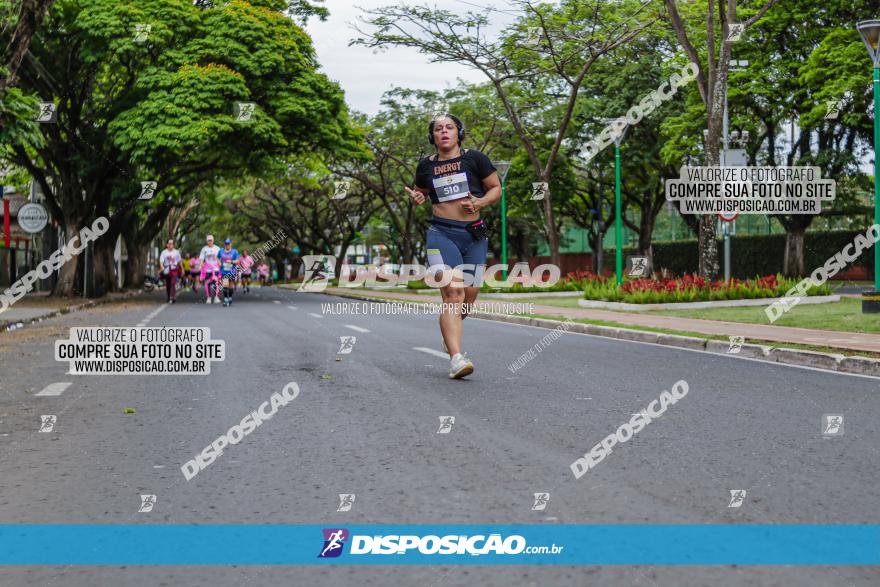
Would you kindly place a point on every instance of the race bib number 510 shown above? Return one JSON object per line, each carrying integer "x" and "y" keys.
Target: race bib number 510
{"x": 451, "y": 187}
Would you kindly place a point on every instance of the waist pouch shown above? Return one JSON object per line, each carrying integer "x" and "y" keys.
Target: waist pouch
{"x": 479, "y": 229}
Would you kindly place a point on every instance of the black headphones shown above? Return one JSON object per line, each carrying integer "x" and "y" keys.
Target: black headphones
{"x": 457, "y": 122}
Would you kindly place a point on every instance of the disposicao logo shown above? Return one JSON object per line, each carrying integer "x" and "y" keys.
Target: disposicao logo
{"x": 334, "y": 540}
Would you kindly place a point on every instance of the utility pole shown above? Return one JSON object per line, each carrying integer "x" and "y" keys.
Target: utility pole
{"x": 737, "y": 65}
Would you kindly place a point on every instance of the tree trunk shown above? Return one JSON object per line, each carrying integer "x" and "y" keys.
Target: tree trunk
{"x": 406, "y": 248}
{"x": 552, "y": 236}
{"x": 340, "y": 260}
{"x": 793, "y": 263}
{"x": 708, "y": 246}
{"x": 646, "y": 232}
{"x": 67, "y": 273}
{"x": 296, "y": 264}
{"x": 518, "y": 244}
{"x": 137, "y": 261}
{"x": 709, "y": 265}
{"x": 105, "y": 268}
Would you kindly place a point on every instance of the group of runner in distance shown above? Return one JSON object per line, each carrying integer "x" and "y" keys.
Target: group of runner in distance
{"x": 213, "y": 268}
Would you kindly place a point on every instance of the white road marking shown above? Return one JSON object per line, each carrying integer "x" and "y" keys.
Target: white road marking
{"x": 275, "y": 302}
{"x": 356, "y": 328}
{"x": 292, "y": 307}
{"x": 315, "y": 315}
{"x": 151, "y": 315}
{"x": 55, "y": 388}
{"x": 678, "y": 348}
{"x": 431, "y": 352}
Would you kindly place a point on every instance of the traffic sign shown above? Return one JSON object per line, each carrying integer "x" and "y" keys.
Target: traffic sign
{"x": 726, "y": 217}
{"x": 32, "y": 218}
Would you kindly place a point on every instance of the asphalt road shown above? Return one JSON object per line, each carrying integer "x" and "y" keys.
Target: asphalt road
{"x": 367, "y": 425}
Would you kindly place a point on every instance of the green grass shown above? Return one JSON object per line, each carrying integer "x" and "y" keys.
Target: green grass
{"x": 822, "y": 349}
{"x": 776, "y": 344}
{"x": 845, "y": 316}
{"x": 558, "y": 302}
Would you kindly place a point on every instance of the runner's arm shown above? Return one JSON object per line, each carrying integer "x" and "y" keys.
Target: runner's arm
{"x": 492, "y": 192}
{"x": 417, "y": 195}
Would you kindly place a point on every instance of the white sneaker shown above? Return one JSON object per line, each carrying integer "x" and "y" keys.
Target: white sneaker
{"x": 216, "y": 299}
{"x": 207, "y": 300}
{"x": 460, "y": 366}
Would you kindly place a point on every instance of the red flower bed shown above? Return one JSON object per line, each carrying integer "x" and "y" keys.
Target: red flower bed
{"x": 689, "y": 282}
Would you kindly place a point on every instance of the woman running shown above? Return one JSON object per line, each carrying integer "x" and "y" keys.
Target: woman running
{"x": 184, "y": 271}
{"x": 210, "y": 276}
{"x": 210, "y": 254}
{"x": 169, "y": 261}
{"x": 459, "y": 183}
{"x": 247, "y": 263}
{"x": 195, "y": 269}
{"x": 229, "y": 260}
{"x": 264, "y": 274}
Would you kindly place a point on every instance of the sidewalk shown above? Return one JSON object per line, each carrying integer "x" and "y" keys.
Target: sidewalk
{"x": 39, "y": 306}
{"x": 825, "y": 338}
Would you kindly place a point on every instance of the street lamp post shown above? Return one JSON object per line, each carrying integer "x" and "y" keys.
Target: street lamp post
{"x": 618, "y": 221}
{"x": 870, "y": 33}
{"x": 618, "y": 215}
{"x": 503, "y": 167}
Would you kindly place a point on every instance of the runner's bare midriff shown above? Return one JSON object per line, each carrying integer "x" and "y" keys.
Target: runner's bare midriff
{"x": 453, "y": 211}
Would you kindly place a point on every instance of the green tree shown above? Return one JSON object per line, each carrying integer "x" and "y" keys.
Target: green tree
{"x": 19, "y": 20}
{"x": 620, "y": 82}
{"x": 299, "y": 201}
{"x": 568, "y": 38}
{"x": 708, "y": 45}
{"x": 801, "y": 58}
{"x": 155, "y": 92}
{"x": 397, "y": 139}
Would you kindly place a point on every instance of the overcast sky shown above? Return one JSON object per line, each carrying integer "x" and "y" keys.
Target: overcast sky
{"x": 365, "y": 76}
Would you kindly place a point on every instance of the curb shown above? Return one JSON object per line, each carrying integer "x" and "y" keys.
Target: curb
{"x": 785, "y": 356}
{"x": 10, "y": 325}
{"x": 600, "y": 305}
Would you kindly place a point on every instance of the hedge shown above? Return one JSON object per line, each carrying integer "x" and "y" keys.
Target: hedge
{"x": 754, "y": 254}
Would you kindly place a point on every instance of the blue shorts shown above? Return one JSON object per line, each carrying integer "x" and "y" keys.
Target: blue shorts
{"x": 449, "y": 247}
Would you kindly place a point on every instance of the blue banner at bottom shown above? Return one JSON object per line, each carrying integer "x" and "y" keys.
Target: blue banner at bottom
{"x": 440, "y": 544}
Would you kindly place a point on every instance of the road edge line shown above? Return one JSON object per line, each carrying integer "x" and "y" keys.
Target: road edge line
{"x": 834, "y": 363}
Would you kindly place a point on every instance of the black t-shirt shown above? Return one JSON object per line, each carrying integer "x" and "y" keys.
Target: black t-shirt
{"x": 452, "y": 179}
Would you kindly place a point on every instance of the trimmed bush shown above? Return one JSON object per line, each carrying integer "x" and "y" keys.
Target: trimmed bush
{"x": 690, "y": 288}
{"x": 756, "y": 254}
